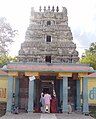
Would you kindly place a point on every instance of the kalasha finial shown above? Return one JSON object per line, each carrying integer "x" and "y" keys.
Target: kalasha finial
{"x": 57, "y": 9}
{"x": 64, "y": 10}
{"x": 44, "y": 8}
{"x": 53, "y": 9}
{"x": 40, "y": 9}
{"x": 49, "y": 8}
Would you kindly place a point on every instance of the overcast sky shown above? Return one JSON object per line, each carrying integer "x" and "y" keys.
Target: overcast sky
{"x": 81, "y": 16}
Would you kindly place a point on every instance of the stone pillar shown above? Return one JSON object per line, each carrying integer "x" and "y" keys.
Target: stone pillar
{"x": 65, "y": 94}
{"x": 10, "y": 94}
{"x": 61, "y": 90}
{"x": 16, "y": 91}
{"x": 85, "y": 95}
{"x": 31, "y": 94}
{"x": 78, "y": 97}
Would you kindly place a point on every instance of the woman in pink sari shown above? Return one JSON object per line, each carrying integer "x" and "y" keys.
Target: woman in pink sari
{"x": 47, "y": 98}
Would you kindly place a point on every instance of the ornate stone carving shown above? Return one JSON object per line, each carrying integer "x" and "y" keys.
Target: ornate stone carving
{"x": 61, "y": 48}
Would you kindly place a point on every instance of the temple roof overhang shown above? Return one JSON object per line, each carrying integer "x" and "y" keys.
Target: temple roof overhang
{"x": 3, "y": 73}
{"x": 93, "y": 75}
{"x": 48, "y": 67}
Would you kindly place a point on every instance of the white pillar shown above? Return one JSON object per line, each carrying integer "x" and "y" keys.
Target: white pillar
{"x": 85, "y": 95}
{"x": 10, "y": 94}
{"x": 65, "y": 94}
{"x": 31, "y": 94}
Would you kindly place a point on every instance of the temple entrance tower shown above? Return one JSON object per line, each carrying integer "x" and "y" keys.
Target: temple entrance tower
{"x": 48, "y": 59}
{"x": 48, "y": 38}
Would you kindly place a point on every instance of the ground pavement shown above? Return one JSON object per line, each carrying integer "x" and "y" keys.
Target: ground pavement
{"x": 45, "y": 116}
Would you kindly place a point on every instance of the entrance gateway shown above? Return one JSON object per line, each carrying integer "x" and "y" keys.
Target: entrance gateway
{"x": 50, "y": 82}
{"x": 68, "y": 81}
{"x": 49, "y": 40}
{"x": 47, "y": 82}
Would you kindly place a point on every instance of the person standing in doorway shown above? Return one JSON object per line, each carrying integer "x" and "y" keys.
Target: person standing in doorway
{"x": 47, "y": 98}
{"x": 42, "y": 102}
{"x": 54, "y": 104}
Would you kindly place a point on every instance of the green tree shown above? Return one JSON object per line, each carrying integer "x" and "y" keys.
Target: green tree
{"x": 89, "y": 57}
{"x": 6, "y": 35}
{"x": 4, "y": 59}
{"x": 92, "y": 48}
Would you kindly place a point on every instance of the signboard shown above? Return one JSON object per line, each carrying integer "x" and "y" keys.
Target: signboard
{"x": 32, "y": 78}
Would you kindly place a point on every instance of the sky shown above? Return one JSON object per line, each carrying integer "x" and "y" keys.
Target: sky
{"x": 81, "y": 19}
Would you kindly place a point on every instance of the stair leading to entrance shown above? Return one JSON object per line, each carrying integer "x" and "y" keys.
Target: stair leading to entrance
{"x": 48, "y": 116}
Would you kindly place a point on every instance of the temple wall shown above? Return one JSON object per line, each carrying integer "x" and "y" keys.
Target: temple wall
{"x": 92, "y": 91}
{"x": 3, "y": 89}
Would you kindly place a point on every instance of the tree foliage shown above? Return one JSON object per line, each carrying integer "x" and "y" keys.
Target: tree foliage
{"x": 90, "y": 56}
{"x": 6, "y": 36}
{"x": 4, "y": 59}
{"x": 92, "y": 48}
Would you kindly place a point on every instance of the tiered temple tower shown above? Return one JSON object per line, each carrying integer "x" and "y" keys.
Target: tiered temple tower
{"x": 48, "y": 38}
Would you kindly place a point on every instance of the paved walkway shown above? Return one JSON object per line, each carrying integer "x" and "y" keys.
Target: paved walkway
{"x": 48, "y": 116}
{"x": 45, "y": 116}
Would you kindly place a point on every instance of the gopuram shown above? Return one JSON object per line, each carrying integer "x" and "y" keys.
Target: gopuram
{"x": 48, "y": 38}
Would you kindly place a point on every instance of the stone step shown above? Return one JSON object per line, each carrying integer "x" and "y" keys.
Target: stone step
{"x": 48, "y": 116}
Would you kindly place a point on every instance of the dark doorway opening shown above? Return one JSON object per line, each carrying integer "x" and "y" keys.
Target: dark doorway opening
{"x": 47, "y": 86}
{"x": 45, "y": 89}
{"x": 48, "y": 39}
{"x": 48, "y": 82}
{"x": 48, "y": 59}
{"x": 48, "y": 23}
